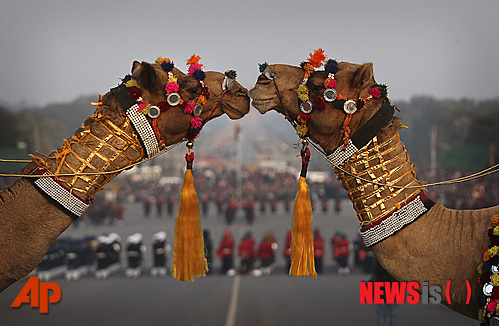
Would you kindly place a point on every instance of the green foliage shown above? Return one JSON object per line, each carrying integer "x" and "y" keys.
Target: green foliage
{"x": 459, "y": 122}
{"x": 9, "y": 132}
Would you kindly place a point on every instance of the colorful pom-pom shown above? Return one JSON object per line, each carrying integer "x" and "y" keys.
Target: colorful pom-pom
{"x": 171, "y": 87}
{"x": 193, "y": 68}
{"x": 188, "y": 107}
{"x": 202, "y": 99}
{"x": 495, "y": 279}
{"x": 167, "y": 66}
{"x": 301, "y": 130}
{"x": 163, "y": 106}
{"x": 161, "y": 60}
{"x": 330, "y": 83}
{"x": 196, "y": 122}
{"x": 194, "y": 60}
{"x": 495, "y": 293}
{"x": 302, "y": 89}
{"x": 308, "y": 67}
{"x": 199, "y": 74}
{"x": 232, "y": 74}
{"x": 303, "y": 117}
{"x": 131, "y": 83}
{"x": 319, "y": 103}
{"x": 491, "y": 307}
{"x": 375, "y": 92}
{"x": 495, "y": 220}
{"x": 493, "y": 251}
{"x": 331, "y": 66}
{"x": 126, "y": 78}
{"x": 378, "y": 90}
{"x": 144, "y": 108}
{"x": 317, "y": 58}
{"x": 206, "y": 92}
{"x": 262, "y": 67}
{"x": 134, "y": 92}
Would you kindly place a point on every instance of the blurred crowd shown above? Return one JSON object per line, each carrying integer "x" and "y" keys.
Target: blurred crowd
{"x": 107, "y": 254}
{"x": 478, "y": 193}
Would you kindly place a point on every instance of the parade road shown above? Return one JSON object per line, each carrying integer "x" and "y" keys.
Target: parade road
{"x": 217, "y": 299}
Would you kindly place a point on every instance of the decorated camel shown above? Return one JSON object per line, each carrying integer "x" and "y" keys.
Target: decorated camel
{"x": 349, "y": 116}
{"x": 154, "y": 107}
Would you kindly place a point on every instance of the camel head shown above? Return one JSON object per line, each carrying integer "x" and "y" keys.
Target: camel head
{"x": 279, "y": 88}
{"x": 184, "y": 102}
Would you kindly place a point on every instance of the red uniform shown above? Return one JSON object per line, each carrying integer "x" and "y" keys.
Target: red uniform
{"x": 226, "y": 251}
{"x": 246, "y": 251}
{"x": 318, "y": 251}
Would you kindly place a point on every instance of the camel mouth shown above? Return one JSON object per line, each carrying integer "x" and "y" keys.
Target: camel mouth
{"x": 263, "y": 105}
{"x": 237, "y": 111}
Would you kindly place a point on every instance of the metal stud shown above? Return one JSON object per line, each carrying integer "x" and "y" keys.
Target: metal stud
{"x": 154, "y": 112}
{"x": 173, "y": 99}
{"x": 330, "y": 95}
{"x": 306, "y": 107}
{"x": 350, "y": 107}
{"x": 198, "y": 109}
{"x": 487, "y": 289}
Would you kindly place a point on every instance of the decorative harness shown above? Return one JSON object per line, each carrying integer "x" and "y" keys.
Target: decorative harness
{"x": 134, "y": 140}
{"x": 371, "y": 180}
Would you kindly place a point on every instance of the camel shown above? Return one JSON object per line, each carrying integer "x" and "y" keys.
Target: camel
{"x": 441, "y": 244}
{"x": 31, "y": 220}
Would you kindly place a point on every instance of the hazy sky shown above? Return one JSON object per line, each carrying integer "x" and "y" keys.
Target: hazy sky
{"x": 56, "y": 50}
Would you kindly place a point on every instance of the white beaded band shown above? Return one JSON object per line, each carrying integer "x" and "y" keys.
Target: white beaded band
{"x": 61, "y": 195}
{"x": 144, "y": 129}
{"x": 395, "y": 222}
{"x": 339, "y": 156}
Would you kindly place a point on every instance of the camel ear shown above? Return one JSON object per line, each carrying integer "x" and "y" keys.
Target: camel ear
{"x": 364, "y": 76}
{"x": 135, "y": 65}
{"x": 145, "y": 74}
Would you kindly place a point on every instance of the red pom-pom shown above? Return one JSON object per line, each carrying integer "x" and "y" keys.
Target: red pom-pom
{"x": 319, "y": 103}
{"x": 206, "y": 92}
{"x": 134, "y": 92}
{"x": 163, "y": 106}
{"x": 375, "y": 92}
{"x": 304, "y": 117}
{"x": 495, "y": 293}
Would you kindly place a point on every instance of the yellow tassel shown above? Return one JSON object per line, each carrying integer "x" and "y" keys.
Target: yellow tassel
{"x": 189, "y": 259}
{"x": 302, "y": 245}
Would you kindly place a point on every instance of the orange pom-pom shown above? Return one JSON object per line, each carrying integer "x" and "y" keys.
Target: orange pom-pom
{"x": 194, "y": 60}
{"x": 495, "y": 220}
{"x": 317, "y": 58}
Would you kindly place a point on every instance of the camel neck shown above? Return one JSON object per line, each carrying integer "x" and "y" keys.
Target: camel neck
{"x": 379, "y": 178}
{"x": 105, "y": 143}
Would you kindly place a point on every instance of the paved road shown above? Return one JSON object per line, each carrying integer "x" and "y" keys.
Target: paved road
{"x": 218, "y": 300}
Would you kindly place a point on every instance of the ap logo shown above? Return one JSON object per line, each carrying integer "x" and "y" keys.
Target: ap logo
{"x": 37, "y": 293}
